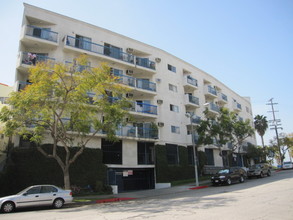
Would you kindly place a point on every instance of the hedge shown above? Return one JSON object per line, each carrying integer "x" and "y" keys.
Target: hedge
{"x": 27, "y": 166}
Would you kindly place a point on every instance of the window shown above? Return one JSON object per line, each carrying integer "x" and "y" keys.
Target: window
{"x": 48, "y": 189}
{"x": 174, "y": 108}
{"x": 83, "y": 42}
{"x": 175, "y": 129}
{"x": 112, "y": 51}
{"x": 190, "y": 155}
{"x": 210, "y": 156}
{"x": 247, "y": 109}
{"x": 172, "y": 68}
{"x": 112, "y": 152}
{"x": 145, "y": 153}
{"x": 172, "y": 154}
{"x": 34, "y": 190}
{"x": 172, "y": 88}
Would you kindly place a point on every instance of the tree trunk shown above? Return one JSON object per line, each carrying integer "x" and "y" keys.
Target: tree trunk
{"x": 262, "y": 142}
{"x": 66, "y": 177}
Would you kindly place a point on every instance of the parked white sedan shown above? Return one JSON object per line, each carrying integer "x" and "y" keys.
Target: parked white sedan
{"x": 287, "y": 165}
{"x": 39, "y": 195}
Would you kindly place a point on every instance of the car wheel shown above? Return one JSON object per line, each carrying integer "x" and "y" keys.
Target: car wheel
{"x": 241, "y": 179}
{"x": 261, "y": 175}
{"x": 8, "y": 207}
{"x": 229, "y": 182}
{"x": 58, "y": 203}
{"x": 269, "y": 173}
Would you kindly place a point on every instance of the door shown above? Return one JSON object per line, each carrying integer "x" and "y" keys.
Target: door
{"x": 30, "y": 198}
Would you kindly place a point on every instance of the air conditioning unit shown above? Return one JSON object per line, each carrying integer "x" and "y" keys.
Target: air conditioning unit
{"x": 160, "y": 101}
{"x": 129, "y": 50}
{"x": 129, "y": 72}
{"x": 161, "y": 124}
{"x": 129, "y": 95}
{"x": 158, "y": 59}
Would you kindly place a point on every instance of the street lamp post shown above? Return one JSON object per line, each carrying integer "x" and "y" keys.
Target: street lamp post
{"x": 191, "y": 115}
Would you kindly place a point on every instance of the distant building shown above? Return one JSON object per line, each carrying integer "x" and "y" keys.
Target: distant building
{"x": 164, "y": 89}
{"x": 4, "y": 94}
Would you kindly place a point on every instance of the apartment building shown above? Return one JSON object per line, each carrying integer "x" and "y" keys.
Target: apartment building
{"x": 4, "y": 94}
{"x": 164, "y": 89}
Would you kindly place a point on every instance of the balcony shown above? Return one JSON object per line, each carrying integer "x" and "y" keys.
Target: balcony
{"x": 143, "y": 110}
{"x": 34, "y": 35}
{"x": 109, "y": 53}
{"x": 190, "y": 84}
{"x": 191, "y": 101}
{"x": 237, "y": 107}
{"x": 210, "y": 92}
{"x": 137, "y": 132}
{"x": 213, "y": 108}
{"x": 138, "y": 84}
{"x": 143, "y": 131}
{"x": 222, "y": 98}
{"x": 28, "y": 59}
{"x": 22, "y": 85}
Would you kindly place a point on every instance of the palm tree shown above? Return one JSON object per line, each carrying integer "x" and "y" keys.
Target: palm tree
{"x": 261, "y": 125}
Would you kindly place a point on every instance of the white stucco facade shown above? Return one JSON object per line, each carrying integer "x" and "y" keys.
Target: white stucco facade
{"x": 162, "y": 83}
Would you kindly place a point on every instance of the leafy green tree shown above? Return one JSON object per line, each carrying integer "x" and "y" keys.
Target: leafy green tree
{"x": 261, "y": 125}
{"x": 240, "y": 131}
{"x": 223, "y": 128}
{"x": 69, "y": 103}
{"x": 286, "y": 145}
{"x": 257, "y": 153}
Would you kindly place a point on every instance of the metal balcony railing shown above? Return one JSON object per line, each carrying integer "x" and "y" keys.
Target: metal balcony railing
{"x": 194, "y": 100}
{"x": 135, "y": 82}
{"x": 143, "y": 108}
{"x": 32, "y": 58}
{"x": 42, "y": 33}
{"x": 212, "y": 90}
{"x": 191, "y": 81}
{"x": 109, "y": 51}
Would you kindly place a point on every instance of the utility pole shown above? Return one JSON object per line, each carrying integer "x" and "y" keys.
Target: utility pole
{"x": 275, "y": 125}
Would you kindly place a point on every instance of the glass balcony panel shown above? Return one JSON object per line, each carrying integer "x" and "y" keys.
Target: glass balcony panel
{"x": 32, "y": 59}
{"x": 212, "y": 90}
{"x": 191, "y": 81}
{"x": 42, "y": 33}
{"x": 145, "y": 84}
{"x": 193, "y": 99}
{"x": 144, "y": 108}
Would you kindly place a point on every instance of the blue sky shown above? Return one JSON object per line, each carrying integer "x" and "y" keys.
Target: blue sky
{"x": 246, "y": 44}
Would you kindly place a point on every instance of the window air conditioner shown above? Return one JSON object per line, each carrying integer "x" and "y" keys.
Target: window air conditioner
{"x": 158, "y": 59}
{"x": 160, "y": 101}
{"x": 160, "y": 124}
{"x": 129, "y": 95}
{"x": 129, "y": 72}
{"x": 129, "y": 50}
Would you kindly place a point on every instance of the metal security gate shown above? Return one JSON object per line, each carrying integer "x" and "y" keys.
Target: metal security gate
{"x": 129, "y": 179}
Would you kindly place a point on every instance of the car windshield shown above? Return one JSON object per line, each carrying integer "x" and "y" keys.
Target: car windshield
{"x": 287, "y": 163}
{"x": 223, "y": 171}
{"x": 23, "y": 191}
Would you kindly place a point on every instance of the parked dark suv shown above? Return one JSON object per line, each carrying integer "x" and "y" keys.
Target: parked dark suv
{"x": 259, "y": 170}
{"x": 228, "y": 176}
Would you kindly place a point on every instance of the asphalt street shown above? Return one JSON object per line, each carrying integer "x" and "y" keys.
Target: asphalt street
{"x": 256, "y": 199}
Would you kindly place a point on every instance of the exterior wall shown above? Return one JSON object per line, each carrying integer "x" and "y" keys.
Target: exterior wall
{"x": 161, "y": 76}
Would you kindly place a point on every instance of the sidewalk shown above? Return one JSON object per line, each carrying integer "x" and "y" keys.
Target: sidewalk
{"x": 82, "y": 200}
